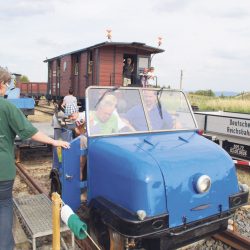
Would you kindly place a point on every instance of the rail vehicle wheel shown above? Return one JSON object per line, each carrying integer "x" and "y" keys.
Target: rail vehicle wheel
{"x": 106, "y": 238}
{"x": 117, "y": 241}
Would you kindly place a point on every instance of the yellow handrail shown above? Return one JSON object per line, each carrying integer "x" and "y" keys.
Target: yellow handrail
{"x": 56, "y": 206}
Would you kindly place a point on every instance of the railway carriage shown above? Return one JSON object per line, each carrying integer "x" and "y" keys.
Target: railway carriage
{"x": 148, "y": 186}
{"x": 100, "y": 64}
{"x": 35, "y": 90}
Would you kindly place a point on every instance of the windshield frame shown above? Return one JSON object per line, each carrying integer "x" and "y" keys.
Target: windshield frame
{"x": 140, "y": 89}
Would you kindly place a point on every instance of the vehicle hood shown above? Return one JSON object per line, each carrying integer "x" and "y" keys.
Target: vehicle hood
{"x": 161, "y": 169}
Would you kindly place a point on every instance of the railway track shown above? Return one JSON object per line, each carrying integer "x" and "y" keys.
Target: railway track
{"x": 49, "y": 112}
{"x": 234, "y": 240}
{"x": 34, "y": 184}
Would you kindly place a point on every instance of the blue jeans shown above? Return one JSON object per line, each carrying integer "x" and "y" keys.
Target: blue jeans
{"x": 6, "y": 215}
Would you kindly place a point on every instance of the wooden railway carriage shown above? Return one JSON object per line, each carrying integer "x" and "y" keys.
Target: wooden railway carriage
{"x": 35, "y": 90}
{"x": 100, "y": 64}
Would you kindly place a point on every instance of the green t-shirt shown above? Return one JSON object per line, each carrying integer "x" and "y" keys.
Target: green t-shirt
{"x": 108, "y": 127}
{"x": 12, "y": 123}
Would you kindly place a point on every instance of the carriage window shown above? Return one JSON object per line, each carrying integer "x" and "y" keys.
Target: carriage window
{"x": 76, "y": 69}
{"x": 90, "y": 67}
{"x": 143, "y": 62}
{"x": 64, "y": 66}
{"x": 76, "y": 66}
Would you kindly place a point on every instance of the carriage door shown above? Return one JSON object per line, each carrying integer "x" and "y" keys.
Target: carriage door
{"x": 134, "y": 62}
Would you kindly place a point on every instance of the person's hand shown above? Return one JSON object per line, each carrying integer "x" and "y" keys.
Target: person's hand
{"x": 80, "y": 130}
{"x": 58, "y": 143}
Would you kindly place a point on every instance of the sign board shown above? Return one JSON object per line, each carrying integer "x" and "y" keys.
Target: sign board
{"x": 229, "y": 126}
{"x": 237, "y": 150}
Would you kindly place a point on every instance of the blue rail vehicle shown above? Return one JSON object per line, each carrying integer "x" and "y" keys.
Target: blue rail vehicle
{"x": 152, "y": 180}
{"x": 26, "y": 104}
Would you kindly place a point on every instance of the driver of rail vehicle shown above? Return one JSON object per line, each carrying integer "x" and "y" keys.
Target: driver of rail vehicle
{"x": 159, "y": 119}
{"x": 12, "y": 123}
{"x": 106, "y": 120}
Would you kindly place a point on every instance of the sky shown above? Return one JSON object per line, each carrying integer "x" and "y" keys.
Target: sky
{"x": 208, "y": 40}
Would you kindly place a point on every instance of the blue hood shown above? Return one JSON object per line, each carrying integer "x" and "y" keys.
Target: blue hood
{"x": 156, "y": 173}
{"x": 183, "y": 157}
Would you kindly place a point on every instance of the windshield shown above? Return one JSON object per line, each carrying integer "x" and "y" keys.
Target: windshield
{"x": 132, "y": 110}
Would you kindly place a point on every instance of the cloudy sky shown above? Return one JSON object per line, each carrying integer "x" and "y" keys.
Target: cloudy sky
{"x": 208, "y": 40}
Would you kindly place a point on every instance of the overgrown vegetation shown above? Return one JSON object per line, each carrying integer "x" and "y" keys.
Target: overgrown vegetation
{"x": 208, "y": 92}
{"x": 240, "y": 103}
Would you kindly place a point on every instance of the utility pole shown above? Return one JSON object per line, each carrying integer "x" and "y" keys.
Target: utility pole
{"x": 181, "y": 79}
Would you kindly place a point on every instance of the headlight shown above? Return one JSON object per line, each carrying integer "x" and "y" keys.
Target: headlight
{"x": 141, "y": 214}
{"x": 203, "y": 184}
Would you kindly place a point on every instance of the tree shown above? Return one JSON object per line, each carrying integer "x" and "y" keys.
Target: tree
{"x": 24, "y": 78}
{"x": 205, "y": 92}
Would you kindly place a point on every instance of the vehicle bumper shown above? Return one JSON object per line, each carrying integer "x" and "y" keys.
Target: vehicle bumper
{"x": 156, "y": 229}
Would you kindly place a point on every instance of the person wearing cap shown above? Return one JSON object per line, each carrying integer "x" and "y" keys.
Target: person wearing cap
{"x": 72, "y": 112}
{"x": 12, "y": 123}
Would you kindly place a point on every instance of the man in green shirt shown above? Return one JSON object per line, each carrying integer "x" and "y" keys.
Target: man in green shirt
{"x": 104, "y": 120}
{"x": 12, "y": 123}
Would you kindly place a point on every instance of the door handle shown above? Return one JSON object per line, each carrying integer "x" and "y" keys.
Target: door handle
{"x": 68, "y": 177}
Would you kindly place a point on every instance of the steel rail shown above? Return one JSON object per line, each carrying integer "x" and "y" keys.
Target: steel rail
{"x": 36, "y": 188}
{"x": 47, "y": 107}
{"x": 32, "y": 183}
{"x": 233, "y": 239}
{"x": 44, "y": 111}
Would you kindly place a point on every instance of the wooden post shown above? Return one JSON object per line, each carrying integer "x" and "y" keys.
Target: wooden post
{"x": 56, "y": 205}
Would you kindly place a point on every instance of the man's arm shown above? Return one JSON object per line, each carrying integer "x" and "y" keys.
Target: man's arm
{"x": 41, "y": 137}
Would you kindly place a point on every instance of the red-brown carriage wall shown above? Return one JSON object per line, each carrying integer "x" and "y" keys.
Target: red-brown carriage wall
{"x": 33, "y": 88}
{"x": 83, "y": 74}
{"x": 107, "y": 65}
{"x": 79, "y": 79}
{"x": 65, "y": 74}
{"x": 96, "y": 67}
{"x": 111, "y": 65}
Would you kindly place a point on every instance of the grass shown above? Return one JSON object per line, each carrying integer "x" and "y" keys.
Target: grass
{"x": 240, "y": 103}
